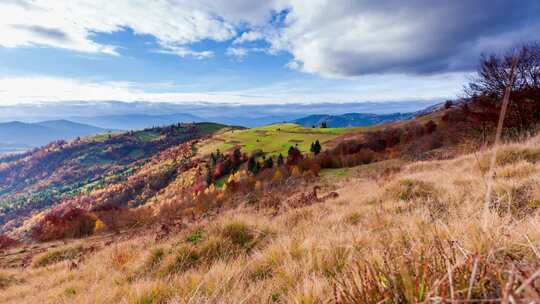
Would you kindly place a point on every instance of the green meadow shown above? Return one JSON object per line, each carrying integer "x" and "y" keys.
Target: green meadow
{"x": 274, "y": 139}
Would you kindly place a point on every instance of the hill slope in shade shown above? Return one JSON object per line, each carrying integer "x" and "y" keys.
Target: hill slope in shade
{"x": 20, "y": 134}
{"x": 351, "y": 119}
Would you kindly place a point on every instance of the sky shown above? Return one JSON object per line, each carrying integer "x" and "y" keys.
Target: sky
{"x": 251, "y": 52}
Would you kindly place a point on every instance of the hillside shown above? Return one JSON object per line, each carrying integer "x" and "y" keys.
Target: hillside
{"x": 396, "y": 231}
{"x": 21, "y": 135}
{"x": 207, "y": 213}
{"x": 273, "y": 139}
{"x": 351, "y": 119}
{"x": 62, "y": 171}
{"x": 65, "y": 188}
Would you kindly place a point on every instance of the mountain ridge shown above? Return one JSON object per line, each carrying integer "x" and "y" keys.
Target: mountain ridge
{"x": 351, "y": 119}
{"x": 17, "y": 135}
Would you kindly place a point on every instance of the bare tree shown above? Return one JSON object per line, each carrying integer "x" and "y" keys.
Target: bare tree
{"x": 494, "y": 73}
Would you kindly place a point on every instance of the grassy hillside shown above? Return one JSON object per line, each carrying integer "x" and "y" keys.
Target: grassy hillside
{"x": 274, "y": 139}
{"x": 412, "y": 235}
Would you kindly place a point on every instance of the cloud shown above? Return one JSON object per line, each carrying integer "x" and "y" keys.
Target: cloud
{"x": 16, "y": 90}
{"x": 46, "y": 33}
{"x": 338, "y": 38}
{"x": 349, "y": 38}
{"x": 174, "y": 24}
{"x": 248, "y": 37}
{"x": 237, "y": 52}
{"x": 185, "y": 52}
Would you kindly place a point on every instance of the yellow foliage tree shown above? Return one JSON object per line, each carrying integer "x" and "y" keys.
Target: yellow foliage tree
{"x": 258, "y": 186}
{"x": 296, "y": 172}
{"x": 277, "y": 176}
{"x": 308, "y": 174}
{"x": 99, "y": 225}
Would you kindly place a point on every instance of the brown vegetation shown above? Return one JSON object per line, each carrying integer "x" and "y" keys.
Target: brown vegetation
{"x": 412, "y": 238}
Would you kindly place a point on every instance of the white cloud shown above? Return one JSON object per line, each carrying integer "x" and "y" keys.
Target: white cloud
{"x": 349, "y": 38}
{"x": 185, "y": 52}
{"x": 237, "y": 52}
{"x": 372, "y": 88}
{"x": 248, "y": 37}
{"x": 70, "y": 24}
{"x": 340, "y": 38}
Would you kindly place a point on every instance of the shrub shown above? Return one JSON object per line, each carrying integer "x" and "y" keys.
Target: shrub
{"x": 522, "y": 169}
{"x": 7, "y": 280}
{"x": 65, "y": 223}
{"x": 99, "y": 226}
{"x": 239, "y": 233}
{"x": 215, "y": 248}
{"x": 518, "y": 200}
{"x": 196, "y": 236}
{"x": 57, "y": 255}
{"x": 411, "y": 189}
{"x": 263, "y": 267}
{"x": 185, "y": 257}
{"x": 354, "y": 218}
{"x": 154, "y": 258}
{"x": 7, "y": 242}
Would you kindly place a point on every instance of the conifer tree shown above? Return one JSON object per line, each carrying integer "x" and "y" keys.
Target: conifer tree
{"x": 269, "y": 163}
{"x": 316, "y": 147}
{"x": 253, "y": 165}
{"x": 280, "y": 160}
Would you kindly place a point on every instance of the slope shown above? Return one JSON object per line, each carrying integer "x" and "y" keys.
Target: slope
{"x": 351, "y": 249}
{"x": 61, "y": 171}
{"x": 273, "y": 139}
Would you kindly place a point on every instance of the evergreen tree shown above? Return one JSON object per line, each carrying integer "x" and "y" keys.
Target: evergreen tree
{"x": 316, "y": 147}
{"x": 269, "y": 163}
{"x": 280, "y": 160}
{"x": 209, "y": 177}
{"x": 213, "y": 159}
{"x": 253, "y": 165}
{"x": 237, "y": 156}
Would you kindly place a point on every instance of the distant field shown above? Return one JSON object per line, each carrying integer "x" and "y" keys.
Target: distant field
{"x": 273, "y": 139}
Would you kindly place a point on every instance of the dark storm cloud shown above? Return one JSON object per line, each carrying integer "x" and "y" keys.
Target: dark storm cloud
{"x": 350, "y": 38}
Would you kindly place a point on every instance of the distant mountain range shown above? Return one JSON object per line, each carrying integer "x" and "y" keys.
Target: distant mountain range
{"x": 18, "y": 135}
{"x": 136, "y": 121}
{"x": 140, "y": 114}
{"x": 351, "y": 119}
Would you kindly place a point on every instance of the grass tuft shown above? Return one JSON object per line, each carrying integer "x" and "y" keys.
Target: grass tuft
{"x": 411, "y": 189}
{"x": 56, "y": 256}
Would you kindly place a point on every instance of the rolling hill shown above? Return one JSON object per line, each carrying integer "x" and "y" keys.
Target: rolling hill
{"x": 391, "y": 229}
{"x": 19, "y": 135}
{"x": 273, "y": 139}
{"x": 46, "y": 177}
{"x": 189, "y": 206}
{"x": 351, "y": 119}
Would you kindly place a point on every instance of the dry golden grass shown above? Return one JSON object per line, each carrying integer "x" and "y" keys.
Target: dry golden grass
{"x": 414, "y": 236}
